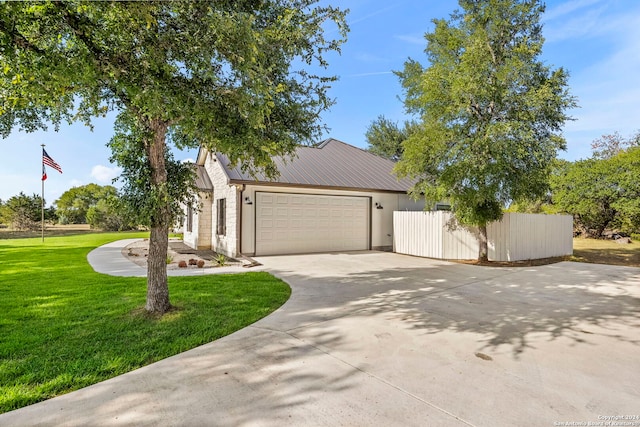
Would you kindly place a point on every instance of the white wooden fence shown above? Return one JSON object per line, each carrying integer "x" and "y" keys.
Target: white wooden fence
{"x": 516, "y": 237}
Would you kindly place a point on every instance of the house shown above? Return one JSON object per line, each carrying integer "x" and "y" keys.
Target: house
{"x": 328, "y": 197}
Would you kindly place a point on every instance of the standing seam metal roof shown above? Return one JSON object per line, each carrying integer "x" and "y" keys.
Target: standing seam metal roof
{"x": 203, "y": 182}
{"x": 331, "y": 163}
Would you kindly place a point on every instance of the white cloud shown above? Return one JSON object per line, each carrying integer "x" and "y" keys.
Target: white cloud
{"x": 568, "y": 7}
{"x": 608, "y": 91}
{"x": 582, "y": 25}
{"x": 367, "y": 57}
{"x": 375, "y": 73}
{"x": 75, "y": 183}
{"x": 188, "y": 160}
{"x": 417, "y": 39}
{"x": 606, "y": 74}
{"x": 370, "y": 15}
{"x": 104, "y": 174}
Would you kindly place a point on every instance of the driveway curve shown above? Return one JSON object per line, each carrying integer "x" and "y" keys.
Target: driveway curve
{"x": 372, "y": 338}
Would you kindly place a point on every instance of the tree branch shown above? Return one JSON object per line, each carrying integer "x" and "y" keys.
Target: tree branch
{"x": 20, "y": 40}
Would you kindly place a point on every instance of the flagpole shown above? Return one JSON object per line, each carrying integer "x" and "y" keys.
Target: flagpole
{"x": 42, "y": 205}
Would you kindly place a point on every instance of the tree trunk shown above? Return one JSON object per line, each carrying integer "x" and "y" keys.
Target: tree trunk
{"x": 482, "y": 242}
{"x": 157, "y": 286}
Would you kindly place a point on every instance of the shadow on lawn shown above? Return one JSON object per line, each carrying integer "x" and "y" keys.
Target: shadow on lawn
{"x": 207, "y": 386}
{"x": 263, "y": 374}
{"x": 622, "y": 256}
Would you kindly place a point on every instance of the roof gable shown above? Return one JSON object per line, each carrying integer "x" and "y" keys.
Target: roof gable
{"x": 203, "y": 183}
{"x": 331, "y": 163}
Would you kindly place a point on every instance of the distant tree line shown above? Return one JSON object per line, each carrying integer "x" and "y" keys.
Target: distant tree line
{"x": 24, "y": 212}
{"x": 603, "y": 191}
{"x": 99, "y": 206}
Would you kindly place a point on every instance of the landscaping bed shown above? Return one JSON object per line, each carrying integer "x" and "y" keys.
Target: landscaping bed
{"x": 179, "y": 256}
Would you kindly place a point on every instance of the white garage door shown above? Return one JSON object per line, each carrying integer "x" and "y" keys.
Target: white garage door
{"x": 300, "y": 223}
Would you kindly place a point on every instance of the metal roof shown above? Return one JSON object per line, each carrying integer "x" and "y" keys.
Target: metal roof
{"x": 203, "y": 182}
{"x": 331, "y": 163}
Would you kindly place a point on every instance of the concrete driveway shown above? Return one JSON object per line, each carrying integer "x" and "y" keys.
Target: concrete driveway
{"x": 383, "y": 339}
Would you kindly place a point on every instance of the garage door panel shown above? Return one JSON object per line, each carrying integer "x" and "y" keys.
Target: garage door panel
{"x": 266, "y": 236}
{"x": 306, "y": 223}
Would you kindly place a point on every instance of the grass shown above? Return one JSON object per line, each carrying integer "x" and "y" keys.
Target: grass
{"x": 64, "y": 327}
{"x": 606, "y": 252}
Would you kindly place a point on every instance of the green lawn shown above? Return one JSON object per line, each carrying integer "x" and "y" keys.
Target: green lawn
{"x": 63, "y": 326}
{"x": 606, "y": 252}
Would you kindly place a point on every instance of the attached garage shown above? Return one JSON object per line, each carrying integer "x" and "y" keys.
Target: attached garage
{"x": 303, "y": 223}
{"x": 327, "y": 197}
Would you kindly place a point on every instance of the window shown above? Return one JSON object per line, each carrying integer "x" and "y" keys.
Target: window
{"x": 189, "y": 218}
{"x": 221, "y": 221}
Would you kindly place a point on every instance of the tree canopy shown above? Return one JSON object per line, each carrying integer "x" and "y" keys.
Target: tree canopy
{"x": 240, "y": 77}
{"x": 609, "y": 145}
{"x": 385, "y": 138}
{"x": 24, "y": 212}
{"x": 73, "y": 204}
{"x": 600, "y": 193}
{"x": 490, "y": 111}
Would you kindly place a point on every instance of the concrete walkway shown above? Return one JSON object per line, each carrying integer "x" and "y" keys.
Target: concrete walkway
{"x": 108, "y": 259}
{"x": 377, "y": 339}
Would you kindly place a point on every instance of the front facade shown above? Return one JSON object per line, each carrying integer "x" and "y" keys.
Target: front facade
{"x": 332, "y": 197}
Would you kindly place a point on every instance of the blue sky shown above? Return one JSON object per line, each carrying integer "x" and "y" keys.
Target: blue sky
{"x": 597, "y": 41}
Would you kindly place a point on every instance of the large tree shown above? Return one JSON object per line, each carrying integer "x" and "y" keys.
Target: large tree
{"x": 235, "y": 76}
{"x": 73, "y": 204}
{"x": 600, "y": 193}
{"x": 490, "y": 111}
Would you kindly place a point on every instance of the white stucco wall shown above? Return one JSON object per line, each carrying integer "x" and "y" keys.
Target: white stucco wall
{"x": 381, "y": 219}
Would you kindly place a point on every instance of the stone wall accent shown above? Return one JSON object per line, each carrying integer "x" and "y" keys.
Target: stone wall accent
{"x": 226, "y": 244}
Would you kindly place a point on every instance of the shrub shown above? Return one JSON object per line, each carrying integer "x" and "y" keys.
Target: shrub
{"x": 193, "y": 262}
{"x": 182, "y": 264}
{"x": 108, "y": 215}
{"x": 635, "y": 237}
{"x": 200, "y": 263}
{"x": 220, "y": 259}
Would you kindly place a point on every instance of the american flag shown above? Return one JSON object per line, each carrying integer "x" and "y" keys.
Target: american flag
{"x": 47, "y": 160}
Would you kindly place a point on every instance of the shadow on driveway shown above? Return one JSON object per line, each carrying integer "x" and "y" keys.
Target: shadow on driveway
{"x": 376, "y": 338}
